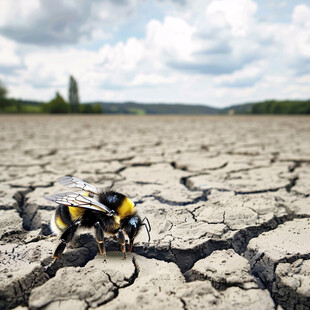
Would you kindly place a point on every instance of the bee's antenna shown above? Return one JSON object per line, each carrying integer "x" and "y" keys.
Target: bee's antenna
{"x": 147, "y": 227}
{"x": 148, "y": 232}
{"x": 148, "y": 223}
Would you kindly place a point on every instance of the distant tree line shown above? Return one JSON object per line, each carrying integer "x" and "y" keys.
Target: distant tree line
{"x": 282, "y": 107}
{"x": 57, "y": 105}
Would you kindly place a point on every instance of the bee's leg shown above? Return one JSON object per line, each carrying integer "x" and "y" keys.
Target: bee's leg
{"x": 41, "y": 237}
{"x": 100, "y": 240}
{"x": 65, "y": 238}
{"x": 121, "y": 240}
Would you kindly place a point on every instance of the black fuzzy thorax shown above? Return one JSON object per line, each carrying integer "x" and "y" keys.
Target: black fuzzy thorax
{"x": 113, "y": 200}
{"x": 90, "y": 218}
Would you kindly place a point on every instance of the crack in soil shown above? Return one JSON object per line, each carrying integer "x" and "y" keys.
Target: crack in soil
{"x": 18, "y": 292}
{"x": 220, "y": 285}
{"x": 288, "y": 187}
{"x": 183, "y": 303}
{"x": 264, "y": 269}
{"x": 27, "y": 211}
{"x": 186, "y": 258}
{"x": 130, "y": 281}
{"x": 201, "y": 198}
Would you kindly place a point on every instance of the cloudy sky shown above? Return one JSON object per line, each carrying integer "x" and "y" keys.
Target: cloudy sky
{"x": 215, "y": 52}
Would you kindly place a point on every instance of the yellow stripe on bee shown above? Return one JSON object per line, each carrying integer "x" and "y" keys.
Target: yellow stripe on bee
{"x": 76, "y": 212}
{"x": 60, "y": 223}
{"x": 126, "y": 208}
{"x": 116, "y": 223}
{"x": 117, "y": 220}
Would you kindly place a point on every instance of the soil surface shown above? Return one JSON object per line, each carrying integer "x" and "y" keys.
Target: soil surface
{"x": 227, "y": 199}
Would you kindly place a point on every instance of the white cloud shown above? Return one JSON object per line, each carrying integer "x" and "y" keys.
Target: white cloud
{"x": 238, "y": 14}
{"x": 8, "y": 54}
{"x": 17, "y": 12}
{"x": 152, "y": 79}
{"x": 173, "y": 37}
{"x": 301, "y": 15}
{"x": 60, "y": 22}
{"x": 245, "y": 77}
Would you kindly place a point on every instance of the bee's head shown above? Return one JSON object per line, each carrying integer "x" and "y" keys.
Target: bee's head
{"x": 132, "y": 228}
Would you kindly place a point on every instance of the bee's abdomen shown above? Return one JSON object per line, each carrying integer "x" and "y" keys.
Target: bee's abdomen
{"x": 64, "y": 217}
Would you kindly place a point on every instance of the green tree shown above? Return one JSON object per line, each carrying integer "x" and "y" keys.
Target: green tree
{"x": 74, "y": 100}
{"x": 97, "y": 108}
{"x": 3, "y": 93}
{"x": 87, "y": 108}
{"x": 56, "y": 105}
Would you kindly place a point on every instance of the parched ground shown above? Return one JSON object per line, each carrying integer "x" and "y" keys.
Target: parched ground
{"x": 227, "y": 199}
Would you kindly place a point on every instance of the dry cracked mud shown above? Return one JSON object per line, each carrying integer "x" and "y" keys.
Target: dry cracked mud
{"x": 227, "y": 199}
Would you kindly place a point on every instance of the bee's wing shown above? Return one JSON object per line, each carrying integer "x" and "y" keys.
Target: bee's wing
{"x": 77, "y": 200}
{"x": 69, "y": 181}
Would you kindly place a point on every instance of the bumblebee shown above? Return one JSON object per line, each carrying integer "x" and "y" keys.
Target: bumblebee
{"x": 107, "y": 211}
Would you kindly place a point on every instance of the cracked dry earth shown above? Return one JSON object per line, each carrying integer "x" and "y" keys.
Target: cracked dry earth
{"x": 227, "y": 199}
